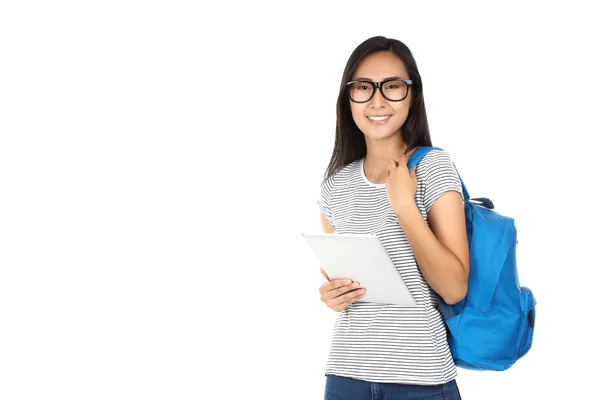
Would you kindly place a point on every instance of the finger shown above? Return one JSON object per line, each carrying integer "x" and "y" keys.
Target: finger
{"x": 329, "y": 292}
{"x": 341, "y": 307}
{"x": 392, "y": 164}
{"x": 332, "y": 294}
{"x": 349, "y": 298}
{"x": 403, "y": 160}
{"x": 336, "y": 284}
{"x": 325, "y": 274}
{"x": 346, "y": 297}
{"x": 413, "y": 173}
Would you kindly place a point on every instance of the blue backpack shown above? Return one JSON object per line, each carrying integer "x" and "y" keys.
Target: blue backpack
{"x": 493, "y": 326}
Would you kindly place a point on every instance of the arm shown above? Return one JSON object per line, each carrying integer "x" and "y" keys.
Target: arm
{"x": 441, "y": 249}
{"x": 327, "y": 227}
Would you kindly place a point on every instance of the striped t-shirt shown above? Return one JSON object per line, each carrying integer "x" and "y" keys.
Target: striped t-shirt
{"x": 384, "y": 342}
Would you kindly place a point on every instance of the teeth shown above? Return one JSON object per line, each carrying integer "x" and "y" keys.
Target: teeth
{"x": 379, "y": 118}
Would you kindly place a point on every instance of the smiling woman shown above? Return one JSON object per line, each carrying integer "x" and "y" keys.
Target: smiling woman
{"x": 419, "y": 218}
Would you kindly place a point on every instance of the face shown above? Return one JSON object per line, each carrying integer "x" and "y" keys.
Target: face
{"x": 378, "y": 67}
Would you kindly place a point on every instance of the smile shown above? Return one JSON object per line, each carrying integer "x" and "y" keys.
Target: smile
{"x": 379, "y": 119}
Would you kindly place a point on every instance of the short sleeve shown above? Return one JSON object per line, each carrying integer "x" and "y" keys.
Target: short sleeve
{"x": 440, "y": 177}
{"x": 324, "y": 199}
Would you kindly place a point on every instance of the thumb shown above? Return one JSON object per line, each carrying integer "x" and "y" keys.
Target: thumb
{"x": 325, "y": 274}
{"x": 413, "y": 173}
{"x": 403, "y": 161}
{"x": 391, "y": 163}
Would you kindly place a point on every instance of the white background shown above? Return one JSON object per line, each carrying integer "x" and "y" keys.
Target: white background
{"x": 158, "y": 161}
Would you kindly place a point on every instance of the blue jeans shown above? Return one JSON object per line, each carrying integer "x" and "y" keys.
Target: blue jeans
{"x": 342, "y": 388}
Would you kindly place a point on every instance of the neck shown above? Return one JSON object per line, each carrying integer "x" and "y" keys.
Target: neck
{"x": 378, "y": 153}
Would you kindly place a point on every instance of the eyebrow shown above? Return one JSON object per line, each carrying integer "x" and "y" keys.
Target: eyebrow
{"x": 371, "y": 80}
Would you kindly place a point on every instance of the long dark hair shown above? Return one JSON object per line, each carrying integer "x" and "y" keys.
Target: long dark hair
{"x": 350, "y": 142}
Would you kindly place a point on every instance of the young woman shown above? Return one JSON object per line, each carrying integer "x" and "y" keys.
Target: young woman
{"x": 381, "y": 350}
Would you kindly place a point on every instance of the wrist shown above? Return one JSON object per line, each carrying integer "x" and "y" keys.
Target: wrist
{"x": 407, "y": 209}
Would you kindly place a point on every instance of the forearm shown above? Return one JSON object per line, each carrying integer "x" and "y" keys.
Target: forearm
{"x": 442, "y": 270}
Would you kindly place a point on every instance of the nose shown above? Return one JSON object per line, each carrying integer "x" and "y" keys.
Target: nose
{"x": 378, "y": 101}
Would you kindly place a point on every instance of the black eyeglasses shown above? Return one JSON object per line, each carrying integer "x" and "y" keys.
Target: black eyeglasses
{"x": 394, "y": 89}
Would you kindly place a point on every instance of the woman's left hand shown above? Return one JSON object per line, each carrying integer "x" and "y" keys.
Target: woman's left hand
{"x": 401, "y": 186}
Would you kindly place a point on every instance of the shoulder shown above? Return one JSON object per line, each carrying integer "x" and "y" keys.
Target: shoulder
{"x": 436, "y": 158}
{"x": 438, "y": 175}
{"x": 434, "y": 163}
{"x": 342, "y": 175}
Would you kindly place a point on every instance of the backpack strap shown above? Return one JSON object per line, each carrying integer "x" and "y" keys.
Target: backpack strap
{"x": 418, "y": 155}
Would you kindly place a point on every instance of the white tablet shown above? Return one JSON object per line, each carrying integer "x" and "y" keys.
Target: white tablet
{"x": 361, "y": 258}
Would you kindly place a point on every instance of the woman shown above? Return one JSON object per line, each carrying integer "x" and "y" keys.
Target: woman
{"x": 383, "y": 350}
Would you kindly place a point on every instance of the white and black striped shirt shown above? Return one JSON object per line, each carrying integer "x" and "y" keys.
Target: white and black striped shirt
{"x": 384, "y": 342}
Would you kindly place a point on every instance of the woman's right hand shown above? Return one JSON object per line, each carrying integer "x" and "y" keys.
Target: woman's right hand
{"x": 338, "y": 294}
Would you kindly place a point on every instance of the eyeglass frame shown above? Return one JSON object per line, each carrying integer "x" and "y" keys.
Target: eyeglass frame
{"x": 379, "y": 85}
